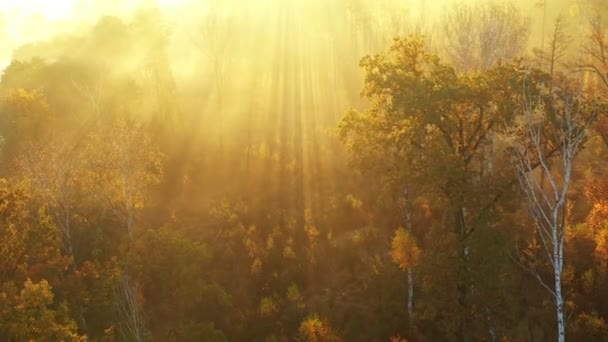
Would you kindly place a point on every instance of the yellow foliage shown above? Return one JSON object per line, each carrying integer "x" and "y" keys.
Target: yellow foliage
{"x": 591, "y": 323}
{"x": 268, "y": 306}
{"x": 313, "y": 233}
{"x": 27, "y": 315}
{"x": 568, "y": 275}
{"x": 256, "y": 267}
{"x": 357, "y": 237}
{"x": 26, "y": 104}
{"x": 295, "y": 297}
{"x": 313, "y": 329}
{"x": 588, "y": 281}
{"x": 601, "y": 248}
{"x": 598, "y": 216}
{"x": 405, "y": 252}
{"x": 288, "y": 253}
{"x": 354, "y": 201}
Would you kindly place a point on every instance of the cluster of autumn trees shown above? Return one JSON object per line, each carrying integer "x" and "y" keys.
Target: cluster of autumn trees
{"x": 488, "y": 157}
{"x": 466, "y": 198}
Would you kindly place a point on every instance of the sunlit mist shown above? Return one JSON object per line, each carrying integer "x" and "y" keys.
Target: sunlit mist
{"x": 303, "y": 170}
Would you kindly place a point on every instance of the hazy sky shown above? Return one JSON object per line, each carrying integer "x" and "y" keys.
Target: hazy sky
{"x": 22, "y": 21}
{"x": 26, "y": 20}
{"x": 50, "y": 9}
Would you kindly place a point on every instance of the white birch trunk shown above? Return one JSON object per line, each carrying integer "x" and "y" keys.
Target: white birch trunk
{"x": 547, "y": 204}
{"x": 410, "y": 293}
{"x": 559, "y": 299}
{"x": 491, "y": 326}
{"x": 410, "y": 271}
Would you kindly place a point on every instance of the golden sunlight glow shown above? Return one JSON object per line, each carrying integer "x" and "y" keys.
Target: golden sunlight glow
{"x": 231, "y": 170}
{"x": 52, "y": 10}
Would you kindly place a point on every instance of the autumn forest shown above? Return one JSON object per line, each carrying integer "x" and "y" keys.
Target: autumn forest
{"x": 312, "y": 171}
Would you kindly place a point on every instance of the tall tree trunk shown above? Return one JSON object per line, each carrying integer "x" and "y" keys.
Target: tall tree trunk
{"x": 463, "y": 281}
{"x": 559, "y": 304}
{"x": 558, "y": 257}
{"x": 410, "y": 294}
{"x": 410, "y": 271}
{"x": 491, "y": 325}
{"x": 548, "y": 205}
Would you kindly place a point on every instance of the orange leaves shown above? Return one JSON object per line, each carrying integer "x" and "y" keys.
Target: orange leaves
{"x": 354, "y": 202}
{"x": 28, "y": 114}
{"x": 28, "y": 315}
{"x": 29, "y": 245}
{"x": 598, "y": 217}
{"x": 35, "y": 296}
{"x": 313, "y": 329}
{"x": 391, "y": 76}
{"x": 22, "y": 104}
{"x": 601, "y": 249}
{"x": 295, "y": 297}
{"x": 405, "y": 252}
{"x": 591, "y": 323}
{"x": 597, "y": 192}
{"x": 123, "y": 164}
{"x": 268, "y": 306}
{"x": 110, "y": 167}
{"x": 13, "y": 203}
{"x": 88, "y": 270}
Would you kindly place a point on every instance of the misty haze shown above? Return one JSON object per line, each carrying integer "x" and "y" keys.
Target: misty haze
{"x": 303, "y": 170}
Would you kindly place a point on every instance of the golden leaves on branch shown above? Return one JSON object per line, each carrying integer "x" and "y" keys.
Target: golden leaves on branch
{"x": 314, "y": 329}
{"x": 404, "y": 252}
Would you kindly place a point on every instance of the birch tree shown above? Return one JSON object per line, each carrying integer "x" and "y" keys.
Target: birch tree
{"x": 561, "y": 118}
{"x": 52, "y": 171}
{"x": 126, "y": 161}
{"x": 405, "y": 253}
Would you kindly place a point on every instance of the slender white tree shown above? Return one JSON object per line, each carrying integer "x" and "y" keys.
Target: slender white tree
{"x": 410, "y": 270}
{"x": 127, "y": 162}
{"x": 552, "y": 128}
